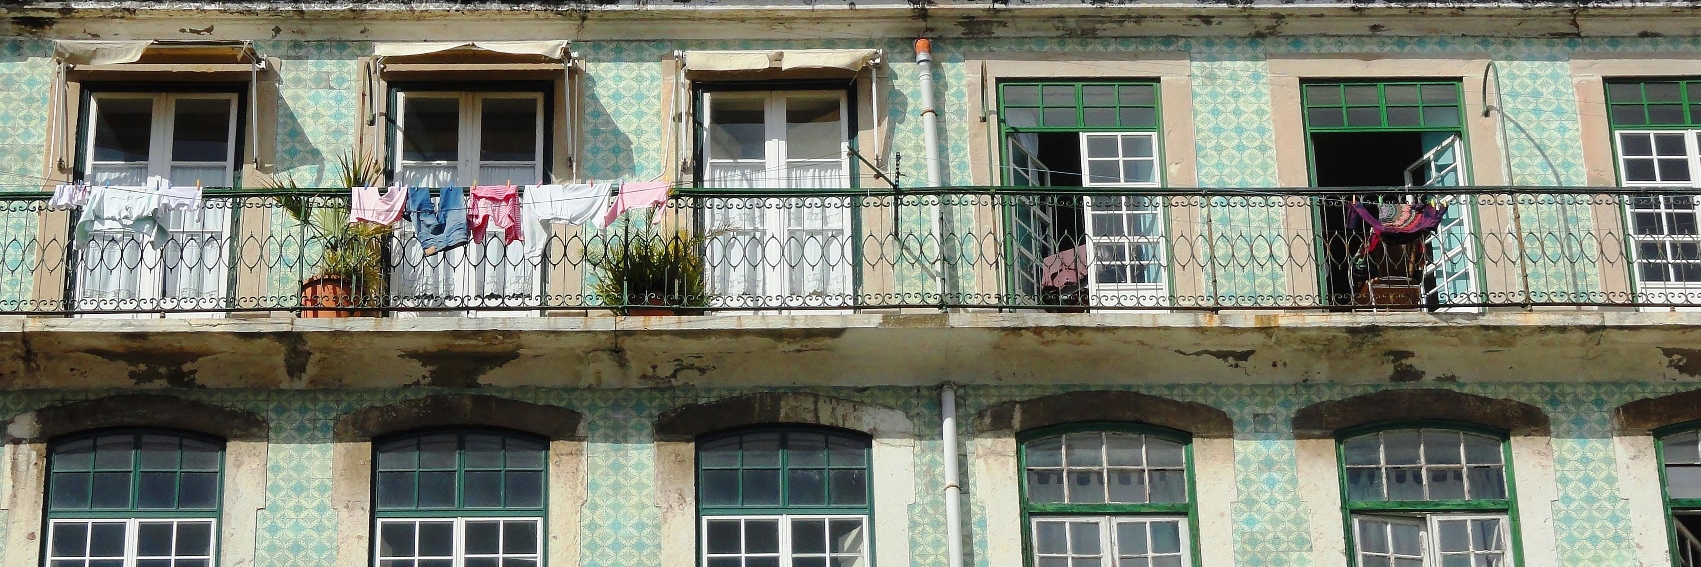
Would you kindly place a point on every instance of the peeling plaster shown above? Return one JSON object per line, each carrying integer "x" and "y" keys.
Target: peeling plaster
{"x": 1684, "y": 360}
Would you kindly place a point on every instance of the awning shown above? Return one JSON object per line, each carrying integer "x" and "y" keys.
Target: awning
{"x": 80, "y": 52}
{"x": 553, "y": 49}
{"x": 783, "y": 59}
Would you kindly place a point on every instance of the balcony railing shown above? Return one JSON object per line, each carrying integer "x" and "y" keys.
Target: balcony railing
{"x": 1011, "y": 248}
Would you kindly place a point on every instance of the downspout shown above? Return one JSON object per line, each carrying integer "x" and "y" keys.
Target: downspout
{"x": 935, "y": 178}
{"x": 953, "y": 492}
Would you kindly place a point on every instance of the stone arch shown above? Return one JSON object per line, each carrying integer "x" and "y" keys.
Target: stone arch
{"x": 554, "y": 422}
{"x": 1105, "y": 405}
{"x": 137, "y": 410}
{"x": 1325, "y": 419}
{"x": 686, "y": 423}
{"x": 1647, "y": 414}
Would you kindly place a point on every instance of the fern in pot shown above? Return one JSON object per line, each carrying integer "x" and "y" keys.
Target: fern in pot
{"x": 350, "y": 269}
{"x": 652, "y": 273}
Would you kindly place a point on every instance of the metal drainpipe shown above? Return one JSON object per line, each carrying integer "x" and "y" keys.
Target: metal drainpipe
{"x": 953, "y": 492}
{"x": 930, "y": 138}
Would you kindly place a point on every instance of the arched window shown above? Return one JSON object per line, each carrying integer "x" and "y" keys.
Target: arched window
{"x": 134, "y": 497}
{"x": 794, "y": 497}
{"x": 1107, "y": 496}
{"x": 1428, "y": 497}
{"x": 1680, "y": 453}
{"x": 459, "y": 499}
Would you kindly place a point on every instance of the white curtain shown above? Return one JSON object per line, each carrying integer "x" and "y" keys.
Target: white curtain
{"x": 817, "y": 237}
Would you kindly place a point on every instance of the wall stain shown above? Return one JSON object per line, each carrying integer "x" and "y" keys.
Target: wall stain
{"x": 1686, "y": 361}
{"x": 1403, "y": 371}
{"x": 155, "y": 367}
{"x": 458, "y": 369}
{"x": 653, "y": 378}
{"x": 1233, "y": 357}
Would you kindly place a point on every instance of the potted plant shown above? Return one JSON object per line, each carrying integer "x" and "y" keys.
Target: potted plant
{"x": 649, "y": 274}
{"x": 350, "y": 272}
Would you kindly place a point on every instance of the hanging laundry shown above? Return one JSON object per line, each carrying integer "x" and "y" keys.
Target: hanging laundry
{"x": 633, "y": 196}
{"x": 132, "y": 209}
{"x": 442, "y": 225}
{"x": 176, "y": 197}
{"x": 1396, "y": 218}
{"x": 545, "y": 205}
{"x": 495, "y": 206}
{"x": 366, "y": 204}
{"x": 67, "y": 196}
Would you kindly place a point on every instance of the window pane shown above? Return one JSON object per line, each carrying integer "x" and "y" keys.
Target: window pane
{"x": 1084, "y": 538}
{"x": 123, "y": 128}
{"x": 1051, "y": 537}
{"x": 1487, "y": 482}
{"x": 437, "y": 489}
{"x": 1446, "y": 483}
{"x": 395, "y": 489}
{"x": 482, "y": 489}
{"x": 1127, "y": 485}
{"x": 154, "y": 538}
{"x": 809, "y": 536}
{"x": 806, "y": 487}
{"x": 520, "y": 536}
{"x": 1683, "y": 481}
{"x": 849, "y": 487}
{"x": 200, "y": 455}
{"x": 719, "y": 453}
{"x": 483, "y": 452}
{"x": 70, "y": 539}
{"x": 1681, "y": 448}
{"x": 1372, "y": 536}
{"x": 198, "y": 490}
{"x": 722, "y": 536}
{"x": 1401, "y": 447}
{"x": 1163, "y": 453}
{"x": 399, "y": 455}
{"x": 1086, "y": 487}
{"x": 524, "y": 489}
{"x": 1021, "y": 95}
{"x": 395, "y": 539}
{"x": 1480, "y": 450}
{"x": 736, "y": 126}
{"x": 1166, "y": 537}
{"x": 1364, "y": 450}
{"x": 845, "y": 535}
{"x": 200, "y": 130}
{"x": 1085, "y": 450}
{"x": 111, "y": 491}
{"x": 157, "y": 490}
{"x": 431, "y": 128}
{"x": 1405, "y": 483}
{"x": 436, "y": 539}
{"x": 114, "y": 452}
{"x": 194, "y": 538}
{"x": 508, "y": 129}
{"x": 438, "y": 451}
{"x": 1323, "y": 95}
{"x": 813, "y": 126}
{"x": 761, "y": 487}
{"x": 847, "y": 452}
{"x": 74, "y": 456}
{"x": 106, "y": 539}
{"x": 762, "y": 450}
{"x": 719, "y": 487}
{"x": 1364, "y": 484}
{"x": 1045, "y": 486}
{"x": 1442, "y": 448}
{"x": 1168, "y": 486}
{"x": 70, "y": 491}
{"x": 761, "y": 536}
{"x": 524, "y": 454}
{"x": 483, "y": 538}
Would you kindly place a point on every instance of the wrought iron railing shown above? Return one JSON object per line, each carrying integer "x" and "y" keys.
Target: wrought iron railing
{"x": 1014, "y": 248}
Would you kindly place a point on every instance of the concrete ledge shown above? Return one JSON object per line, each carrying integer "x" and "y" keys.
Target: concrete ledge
{"x": 851, "y": 350}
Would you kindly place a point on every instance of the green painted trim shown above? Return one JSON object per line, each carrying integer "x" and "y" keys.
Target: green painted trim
{"x": 1382, "y": 105}
{"x": 1079, "y": 105}
{"x": 1190, "y": 508}
{"x": 134, "y": 510}
{"x": 866, "y": 510}
{"x": 1684, "y": 101}
{"x": 460, "y": 469}
{"x": 1672, "y": 505}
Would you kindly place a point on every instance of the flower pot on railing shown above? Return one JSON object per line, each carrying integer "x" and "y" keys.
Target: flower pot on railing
{"x": 650, "y": 274}
{"x": 331, "y": 290}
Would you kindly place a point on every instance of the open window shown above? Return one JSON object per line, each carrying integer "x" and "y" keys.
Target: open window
{"x": 774, "y": 133}
{"x": 1383, "y": 248}
{"x": 1657, "y": 137}
{"x": 463, "y": 115}
{"x": 148, "y": 114}
{"x": 1102, "y": 244}
{"x": 1427, "y": 498}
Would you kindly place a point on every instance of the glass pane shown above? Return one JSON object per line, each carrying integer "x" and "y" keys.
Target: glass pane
{"x": 70, "y": 491}
{"x": 1166, "y": 537}
{"x": 1045, "y": 452}
{"x": 1084, "y": 538}
{"x": 74, "y": 456}
{"x": 806, "y": 487}
{"x": 156, "y": 490}
{"x": 437, "y": 451}
{"x": 1440, "y": 94}
{"x": 70, "y": 539}
{"x": 1058, "y": 95}
{"x": 844, "y": 452}
{"x": 1372, "y": 536}
{"x": 1446, "y": 483}
{"x": 849, "y": 487}
{"x": 1131, "y": 538}
{"x": 1101, "y": 146}
{"x": 846, "y": 535}
{"x": 401, "y": 454}
{"x": 1364, "y": 484}
{"x": 483, "y": 451}
{"x": 762, "y": 536}
{"x": 1364, "y": 116}
{"x": 1322, "y": 95}
{"x": 1124, "y": 450}
{"x": 153, "y": 538}
{"x": 1401, "y": 94}
{"x": 1441, "y": 448}
{"x": 1086, "y": 487}
{"x": 431, "y": 128}
{"x": 198, "y": 490}
{"x": 806, "y": 449}
{"x": 1485, "y": 534}
{"x": 482, "y": 489}
{"x": 1364, "y": 450}
{"x": 1098, "y": 95}
{"x": 1403, "y": 116}
{"x": 1140, "y": 117}
{"x": 718, "y": 487}
{"x": 1060, "y": 117}
{"x": 524, "y": 454}
{"x": 761, "y": 487}
{"x": 1045, "y": 486}
{"x": 1099, "y": 117}
{"x": 720, "y": 453}
{"x": 436, "y": 539}
{"x": 483, "y": 537}
{"x": 437, "y": 489}
{"x": 1168, "y": 486}
{"x": 1127, "y": 485}
{"x": 508, "y": 129}
{"x": 1326, "y": 117}
{"x": 111, "y": 491}
{"x": 523, "y": 489}
{"x": 809, "y": 536}
{"x": 1480, "y": 450}
{"x": 1628, "y": 115}
{"x": 1401, "y": 447}
{"x": 1051, "y": 537}
{"x": 201, "y": 129}
{"x": 200, "y": 455}
{"x": 519, "y": 536}
{"x": 1405, "y": 483}
{"x": 736, "y": 126}
{"x": 813, "y": 126}
{"x": 1681, "y": 448}
{"x": 1085, "y": 450}
{"x": 762, "y": 450}
{"x": 722, "y": 536}
{"x": 395, "y": 489}
{"x": 1026, "y": 95}
{"x": 395, "y": 539}
{"x": 1624, "y": 92}
{"x": 122, "y": 128}
{"x": 113, "y": 452}
{"x": 1683, "y": 481}
{"x": 1163, "y": 453}
{"x": 194, "y": 538}
{"x": 1441, "y": 116}
{"x": 106, "y": 540}
{"x": 159, "y": 452}
{"x": 1454, "y": 535}
{"x": 1407, "y": 539}
{"x": 1137, "y": 146}
{"x": 1361, "y": 94}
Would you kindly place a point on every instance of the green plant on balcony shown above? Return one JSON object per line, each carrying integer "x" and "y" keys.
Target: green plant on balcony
{"x": 350, "y": 271}
{"x": 650, "y": 273}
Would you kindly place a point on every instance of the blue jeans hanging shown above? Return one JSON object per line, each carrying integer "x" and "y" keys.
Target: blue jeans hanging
{"x": 440, "y": 226}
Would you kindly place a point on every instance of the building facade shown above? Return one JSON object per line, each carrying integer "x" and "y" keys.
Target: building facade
{"x": 1205, "y": 284}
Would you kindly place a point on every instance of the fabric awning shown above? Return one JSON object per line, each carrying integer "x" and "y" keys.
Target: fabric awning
{"x": 783, "y": 59}
{"x": 553, "y": 49}
{"x": 84, "y": 52}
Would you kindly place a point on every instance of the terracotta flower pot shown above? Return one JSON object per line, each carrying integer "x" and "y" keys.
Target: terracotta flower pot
{"x": 330, "y": 290}
{"x": 658, "y": 308}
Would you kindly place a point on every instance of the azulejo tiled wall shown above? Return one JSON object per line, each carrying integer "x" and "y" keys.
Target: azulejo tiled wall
{"x": 621, "y": 525}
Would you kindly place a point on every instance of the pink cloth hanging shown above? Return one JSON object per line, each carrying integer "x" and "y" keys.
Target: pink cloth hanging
{"x": 495, "y": 206}
{"x": 367, "y": 205}
{"x": 633, "y": 196}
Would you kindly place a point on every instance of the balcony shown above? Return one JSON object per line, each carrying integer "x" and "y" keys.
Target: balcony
{"x": 721, "y": 251}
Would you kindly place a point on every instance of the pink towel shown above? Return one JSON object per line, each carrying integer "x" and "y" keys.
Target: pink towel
{"x": 495, "y": 206}
{"x": 633, "y": 196}
{"x": 368, "y": 205}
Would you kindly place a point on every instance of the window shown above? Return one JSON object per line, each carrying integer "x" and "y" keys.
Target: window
{"x": 1093, "y": 135}
{"x": 784, "y": 498}
{"x": 789, "y": 249}
{"x": 1107, "y": 498}
{"x": 1658, "y": 142}
{"x": 1428, "y": 497}
{"x": 459, "y": 499}
{"x": 1680, "y": 457}
{"x": 137, "y": 139}
{"x": 133, "y": 498}
{"x": 461, "y": 139}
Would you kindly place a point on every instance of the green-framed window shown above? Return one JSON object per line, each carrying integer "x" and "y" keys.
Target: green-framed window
{"x": 1432, "y": 496}
{"x": 792, "y": 496}
{"x": 1078, "y": 105}
{"x": 1658, "y": 144}
{"x": 459, "y": 498}
{"x": 1107, "y": 495}
{"x": 1357, "y": 106}
{"x": 1680, "y": 474}
{"x": 133, "y": 497}
{"x": 1654, "y": 103}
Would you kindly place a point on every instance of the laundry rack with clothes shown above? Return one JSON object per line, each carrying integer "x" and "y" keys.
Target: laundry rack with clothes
{"x": 1389, "y": 265}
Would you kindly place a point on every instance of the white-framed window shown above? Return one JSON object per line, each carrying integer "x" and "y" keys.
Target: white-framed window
{"x": 131, "y": 543}
{"x": 1664, "y": 235}
{"x": 137, "y": 141}
{"x": 1110, "y": 541}
{"x": 1440, "y": 539}
{"x": 462, "y": 139}
{"x": 785, "y": 540}
{"x": 781, "y": 251}
{"x": 1126, "y": 231}
{"x": 460, "y": 542}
